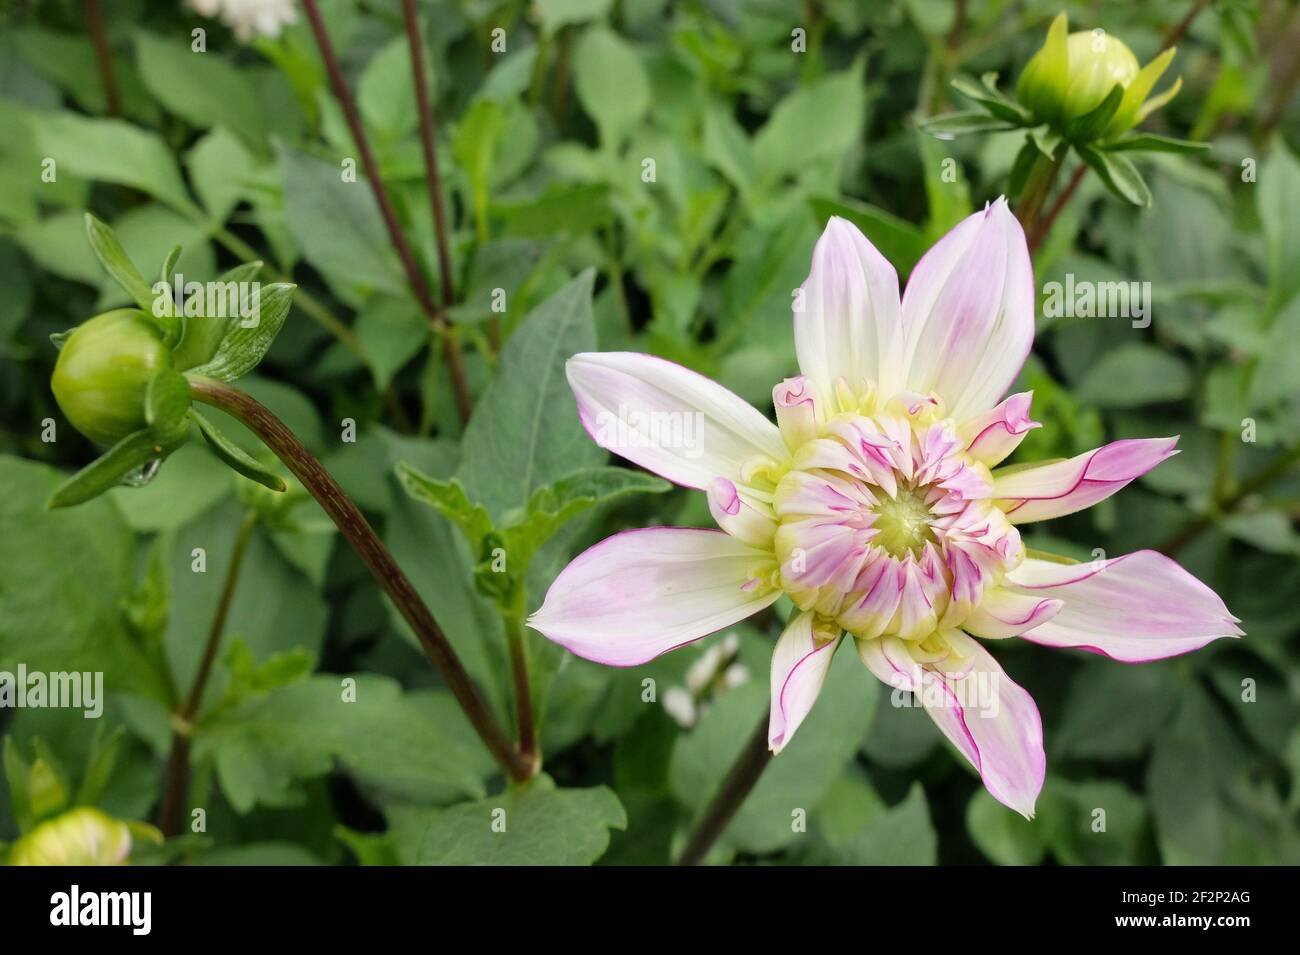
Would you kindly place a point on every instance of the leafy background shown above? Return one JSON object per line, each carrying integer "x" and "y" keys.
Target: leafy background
{"x": 235, "y": 154}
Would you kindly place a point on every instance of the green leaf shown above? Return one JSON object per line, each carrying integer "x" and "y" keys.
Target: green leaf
{"x": 986, "y": 93}
{"x": 250, "y": 338}
{"x": 552, "y": 506}
{"x": 525, "y": 431}
{"x": 902, "y": 835}
{"x": 111, "y": 150}
{"x": 113, "y": 257}
{"x": 952, "y": 125}
{"x": 338, "y": 226}
{"x": 391, "y": 331}
{"x": 1119, "y": 174}
{"x": 200, "y": 87}
{"x": 107, "y": 471}
{"x": 611, "y": 83}
{"x": 1092, "y": 823}
{"x": 557, "y": 14}
{"x": 66, "y": 575}
{"x": 1151, "y": 143}
{"x": 1279, "y": 214}
{"x": 234, "y": 456}
{"x": 1002, "y": 834}
{"x": 1114, "y": 712}
{"x": 543, "y": 825}
{"x": 450, "y": 499}
{"x": 1134, "y": 375}
{"x": 17, "y": 773}
{"x": 560, "y": 209}
{"x": 1084, "y": 129}
{"x": 796, "y": 134}
{"x": 898, "y": 240}
{"x": 100, "y": 765}
{"x": 386, "y": 92}
{"x": 474, "y": 144}
{"x": 268, "y": 744}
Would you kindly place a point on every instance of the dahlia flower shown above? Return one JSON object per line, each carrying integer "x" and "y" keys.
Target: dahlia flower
{"x": 876, "y": 502}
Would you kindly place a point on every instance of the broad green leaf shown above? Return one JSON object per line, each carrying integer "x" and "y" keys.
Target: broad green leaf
{"x": 1002, "y": 834}
{"x": 66, "y": 575}
{"x": 901, "y": 835}
{"x": 266, "y": 746}
{"x": 386, "y": 92}
{"x": 223, "y": 171}
{"x": 1279, "y": 213}
{"x": 560, "y": 209}
{"x": 474, "y": 144}
{"x": 1114, "y": 712}
{"x": 391, "y": 331}
{"x": 337, "y": 225}
{"x": 946, "y": 190}
{"x": 111, "y": 150}
{"x": 525, "y": 431}
{"x": 1091, "y": 823}
{"x": 611, "y": 82}
{"x": 200, "y": 87}
{"x": 898, "y": 240}
{"x": 250, "y": 338}
{"x": 538, "y": 824}
{"x": 1134, "y": 375}
{"x": 235, "y": 457}
{"x": 557, "y": 14}
{"x": 796, "y": 133}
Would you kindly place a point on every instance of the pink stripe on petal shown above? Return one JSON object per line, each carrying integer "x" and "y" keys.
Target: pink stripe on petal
{"x": 1139, "y": 607}
{"x": 799, "y": 669}
{"x": 644, "y": 592}
{"x": 667, "y": 418}
{"x": 992, "y": 436}
{"x": 1044, "y": 491}
{"x": 1004, "y": 613}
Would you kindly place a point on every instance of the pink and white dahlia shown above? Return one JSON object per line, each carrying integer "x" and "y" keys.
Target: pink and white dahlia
{"x": 877, "y": 504}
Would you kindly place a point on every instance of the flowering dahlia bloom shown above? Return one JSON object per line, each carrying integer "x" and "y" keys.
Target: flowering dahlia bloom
{"x": 877, "y": 504}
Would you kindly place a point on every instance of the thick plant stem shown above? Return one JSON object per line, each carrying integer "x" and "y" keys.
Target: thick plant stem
{"x": 377, "y": 558}
{"x": 419, "y": 287}
{"x": 103, "y": 56}
{"x": 523, "y": 694}
{"x": 1030, "y": 202}
{"x": 176, "y": 775}
{"x": 740, "y": 782}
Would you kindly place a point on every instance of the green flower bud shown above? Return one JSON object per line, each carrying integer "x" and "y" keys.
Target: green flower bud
{"x": 103, "y": 371}
{"x": 1073, "y": 74}
{"x": 82, "y": 836}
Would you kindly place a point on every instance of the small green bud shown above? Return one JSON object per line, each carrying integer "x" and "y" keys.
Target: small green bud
{"x": 1073, "y": 73}
{"x": 103, "y": 372}
{"x": 82, "y": 836}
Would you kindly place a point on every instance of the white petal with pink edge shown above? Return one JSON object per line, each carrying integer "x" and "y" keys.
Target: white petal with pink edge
{"x": 669, "y": 419}
{"x": 968, "y": 313}
{"x": 800, "y": 661}
{"x": 644, "y": 592}
{"x": 1043, "y": 491}
{"x": 848, "y": 326}
{"x": 1139, "y": 607}
{"x": 991, "y": 720}
{"x": 991, "y": 436}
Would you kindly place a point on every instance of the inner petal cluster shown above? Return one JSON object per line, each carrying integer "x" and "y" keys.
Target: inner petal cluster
{"x": 886, "y": 525}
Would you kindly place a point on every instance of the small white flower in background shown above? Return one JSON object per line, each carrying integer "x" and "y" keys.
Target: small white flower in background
{"x": 718, "y": 669}
{"x": 249, "y": 18}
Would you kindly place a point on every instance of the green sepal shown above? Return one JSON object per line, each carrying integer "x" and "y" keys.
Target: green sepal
{"x": 1046, "y": 139}
{"x": 166, "y": 401}
{"x": 244, "y": 344}
{"x": 995, "y": 103}
{"x": 967, "y": 121}
{"x": 106, "y": 472}
{"x": 1086, "y": 128}
{"x": 58, "y": 339}
{"x": 1151, "y": 143}
{"x": 234, "y": 456}
{"x": 169, "y": 265}
{"x": 113, "y": 258}
{"x": 204, "y": 333}
{"x": 99, "y": 767}
{"x": 1119, "y": 174}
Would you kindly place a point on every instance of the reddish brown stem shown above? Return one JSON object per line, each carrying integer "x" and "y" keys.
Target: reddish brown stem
{"x": 377, "y": 558}
{"x": 740, "y": 782}
{"x": 1043, "y": 227}
{"x": 419, "y": 287}
{"x": 103, "y": 56}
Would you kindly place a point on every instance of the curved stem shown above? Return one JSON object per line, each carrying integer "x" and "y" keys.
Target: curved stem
{"x": 419, "y": 287}
{"x": 103, "y": 56}
{"x": 740, "y": 782}
{"x": 176, "y": 775}
{"x": 377, "y": 558}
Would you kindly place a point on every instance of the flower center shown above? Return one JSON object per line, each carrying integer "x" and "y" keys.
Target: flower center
{"x": 903, "y": 522}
